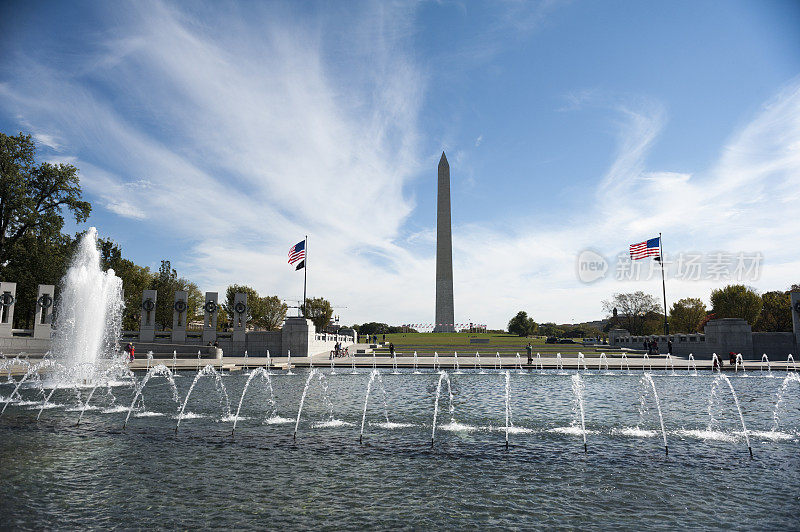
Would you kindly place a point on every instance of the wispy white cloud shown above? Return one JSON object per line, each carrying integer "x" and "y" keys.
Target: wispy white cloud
{"x": 243, "y": 135}
{"x": 125, "y": 209}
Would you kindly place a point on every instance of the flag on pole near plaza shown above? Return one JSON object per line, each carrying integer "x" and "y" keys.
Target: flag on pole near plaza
{"x": 298, "y": 253}
{"x": 300, "y": 265}
{"x": 648, "y": 248}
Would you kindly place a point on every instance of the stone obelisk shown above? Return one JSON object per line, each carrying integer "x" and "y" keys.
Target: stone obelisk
{"x": 444, "y": 253}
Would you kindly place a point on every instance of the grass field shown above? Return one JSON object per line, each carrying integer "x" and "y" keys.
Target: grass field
{"x": 458, "y": 339}
{"x": 428, "y": 342}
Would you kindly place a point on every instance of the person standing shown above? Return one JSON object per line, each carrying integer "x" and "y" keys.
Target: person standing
{"x": 529, "y": 350}
{"x": 669, "y": 347}
{"x": 391, "y": 349}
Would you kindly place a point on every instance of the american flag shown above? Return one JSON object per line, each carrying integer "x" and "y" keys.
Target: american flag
{"x": 298, "y": 252}
{"x": 648, "y": 248}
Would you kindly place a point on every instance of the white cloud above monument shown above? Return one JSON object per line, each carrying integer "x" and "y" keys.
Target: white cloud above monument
{"x": 253, "y": 129}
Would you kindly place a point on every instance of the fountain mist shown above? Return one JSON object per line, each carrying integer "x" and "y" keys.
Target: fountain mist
{"x": 89, "y": 316}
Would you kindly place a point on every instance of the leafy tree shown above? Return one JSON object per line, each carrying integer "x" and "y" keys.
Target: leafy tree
{"x": 686, "y": 314}
{"x": 582, "y": 331}
{"x": 736, "y": 301}
{"x": 263, "y": 312}
{"x": 550, "y": 329}
{"x": 319, "y": 311}
{"x": 33, "y": 197}
{"x": 776, "y": 312}
{"x": 374, "y": 328}
{"x": 166, "y": 282}
{"x": 521, "y": 324}
{"x": 653, "y": 323}
{"x": 253, "y": 306}
{"x": 36, "y": 259}
{"x": 222, "y": 318}
{"x": 195, "y": 299}
{"x": 633, "y": 310}
{"x": 273, "y": 313}
{"x": 704, "y": 321}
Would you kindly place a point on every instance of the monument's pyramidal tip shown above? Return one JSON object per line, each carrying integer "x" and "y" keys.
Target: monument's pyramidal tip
{"x": 443, "y": 160}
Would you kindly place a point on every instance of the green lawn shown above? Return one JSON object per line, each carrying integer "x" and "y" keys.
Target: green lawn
{"x": 427, "y": 343}
{"x": 456, "y": 339}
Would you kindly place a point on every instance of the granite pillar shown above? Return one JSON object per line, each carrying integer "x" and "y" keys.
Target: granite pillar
{"x": 43, "y": 321}
{"x": 147, "y": 325}
{"x": 180, "y": 313}
{"x": 239, "y": 317}
{"x": 8, "y": 295}
{"x": 210, "y": 309}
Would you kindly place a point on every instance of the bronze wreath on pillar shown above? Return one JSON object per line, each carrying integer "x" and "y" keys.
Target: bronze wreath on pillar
{"x": 210, "y": 307}
{"x": 148, "y": 305}
{"x": 179, "y": 305}
{"x": 45, "y": 301}
{"x": 240, "y": 307}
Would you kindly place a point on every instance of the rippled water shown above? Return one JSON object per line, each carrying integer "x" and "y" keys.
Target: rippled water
{"x": 58, "y": 475}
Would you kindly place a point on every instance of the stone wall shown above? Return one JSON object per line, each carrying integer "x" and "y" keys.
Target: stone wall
{"x": 721, "y": 337}
{"x": 773, "y": 343}
{"x": 24, "y": 343}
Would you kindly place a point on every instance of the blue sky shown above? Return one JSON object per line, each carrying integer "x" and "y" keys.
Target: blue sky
{"x": 217, "y": 134}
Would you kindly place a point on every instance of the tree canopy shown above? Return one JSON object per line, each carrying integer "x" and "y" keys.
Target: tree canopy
{"x": 776, "y": 312}
{"x": 166, "y": 282}
{"x": 550, "y": 329}
{"x": 635, "y": 311}
{"x": 264, "y": 312}
{"x": 521, "y": 324}
{"x": 319, "y": 311}
{"x": 686, "y": 314}
{"x": 736, "y": 301}
{"x": 33, "y": 197}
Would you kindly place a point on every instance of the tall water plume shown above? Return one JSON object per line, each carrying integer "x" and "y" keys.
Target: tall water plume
{"x": 89, "y": 317}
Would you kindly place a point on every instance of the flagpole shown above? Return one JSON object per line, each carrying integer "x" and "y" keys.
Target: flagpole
{"x": 305, "y": 276}
{"x": 663, "y": 284}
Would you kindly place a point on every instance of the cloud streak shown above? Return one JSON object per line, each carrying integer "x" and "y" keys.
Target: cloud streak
{"x": 242, "y": 135}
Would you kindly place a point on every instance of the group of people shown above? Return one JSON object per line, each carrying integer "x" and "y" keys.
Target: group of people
{"x": 374, "y": 338}
{"x": 652, "y": 347}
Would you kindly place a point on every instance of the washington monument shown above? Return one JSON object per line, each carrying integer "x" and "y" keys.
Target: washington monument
{"x": 444, "y": 253}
